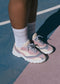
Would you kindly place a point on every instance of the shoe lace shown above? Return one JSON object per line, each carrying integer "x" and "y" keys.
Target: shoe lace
{"x": 39, "y": 39}
{"x": 32, "y": 47}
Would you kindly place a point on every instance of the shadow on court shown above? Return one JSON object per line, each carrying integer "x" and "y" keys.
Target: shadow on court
{"x": 10, "y": 66}
{"x": 49, "y": 25}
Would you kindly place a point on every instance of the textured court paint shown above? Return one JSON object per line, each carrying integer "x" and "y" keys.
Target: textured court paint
{"x": 10, "y": 66}
{"x": 44, "y": 4}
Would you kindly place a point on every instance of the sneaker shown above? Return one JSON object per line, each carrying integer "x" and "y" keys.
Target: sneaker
{"x": 29, "y": 52}
{"x": 43, "y": 47}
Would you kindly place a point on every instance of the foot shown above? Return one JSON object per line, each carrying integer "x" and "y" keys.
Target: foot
{"x": 29, "y": 52}
{"x": 43, "y": 47}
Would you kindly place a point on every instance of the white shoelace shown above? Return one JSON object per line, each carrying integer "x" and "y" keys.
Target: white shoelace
{"x": 32, "y": 47}
{"x": 39, "y": 40}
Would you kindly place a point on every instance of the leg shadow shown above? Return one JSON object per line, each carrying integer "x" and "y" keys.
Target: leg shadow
{"x": 49, "y": 26}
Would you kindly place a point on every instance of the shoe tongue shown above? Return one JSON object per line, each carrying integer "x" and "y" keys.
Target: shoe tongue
{"x": 34, "y": 36}
{"x": 27, "y": 43}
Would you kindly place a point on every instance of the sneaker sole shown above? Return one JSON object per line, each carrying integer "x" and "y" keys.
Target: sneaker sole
{"x": 49, "y": 52}
{"x": 15, "y": 53}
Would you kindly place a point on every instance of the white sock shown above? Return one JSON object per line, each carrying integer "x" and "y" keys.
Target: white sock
{"x": 20, "y": 36}
{"x": 31, "y": 29}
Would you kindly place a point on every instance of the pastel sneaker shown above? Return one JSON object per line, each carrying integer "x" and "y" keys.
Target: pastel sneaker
{"x": 43, "y": 47}
{"x": 29, "y": 53}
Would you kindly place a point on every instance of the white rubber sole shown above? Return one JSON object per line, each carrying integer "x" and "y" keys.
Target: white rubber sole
{"x": 49, "y": 52}
{"x": 45, "y": 52}
{"x": 15, "y": 53}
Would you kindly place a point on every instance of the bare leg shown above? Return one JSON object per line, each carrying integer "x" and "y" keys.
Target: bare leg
{"x": 33, "y": 10}
{"x": 18, "y": 13}
{"x": 32, "y": 18}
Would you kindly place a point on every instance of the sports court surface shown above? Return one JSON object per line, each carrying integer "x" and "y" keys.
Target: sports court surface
{"x": 15, "y": 70}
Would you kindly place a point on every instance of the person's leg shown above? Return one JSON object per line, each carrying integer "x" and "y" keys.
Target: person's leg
{"x": 33, "y": 11}
{"x": 32, "y": 18}
{"x": 31, "y": 30}
{"x": 18, "y": 13}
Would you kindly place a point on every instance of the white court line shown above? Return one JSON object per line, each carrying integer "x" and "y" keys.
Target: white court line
{"x": 5, "y": 22}
{"x": 48, "y": 10}
{"x": 38, "y": 13}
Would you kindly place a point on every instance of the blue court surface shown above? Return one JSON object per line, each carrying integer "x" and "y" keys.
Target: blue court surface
{"x": 11, "y": 67}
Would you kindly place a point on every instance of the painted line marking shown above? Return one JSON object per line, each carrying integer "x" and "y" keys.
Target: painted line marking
{"x": 48, "y": 10}
{"x": 5, "y": 22}
{"x": 38, "y": 13}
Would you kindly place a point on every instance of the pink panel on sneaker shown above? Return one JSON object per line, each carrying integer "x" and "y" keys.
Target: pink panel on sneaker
{"x": 39, "y": 44}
